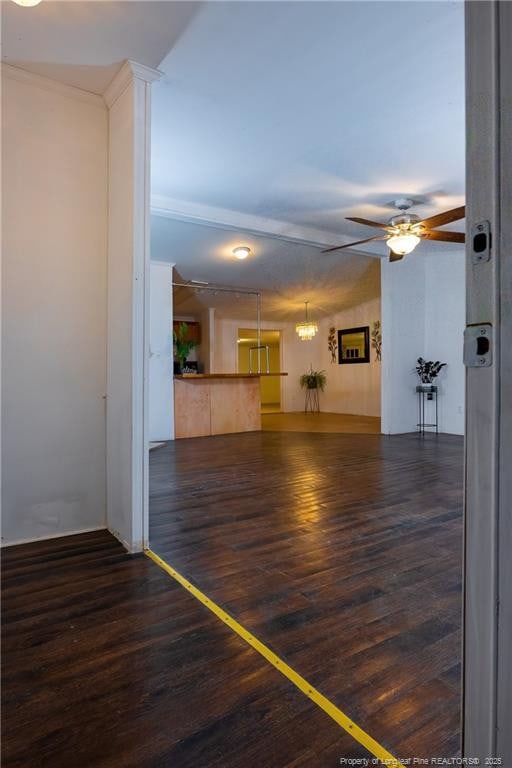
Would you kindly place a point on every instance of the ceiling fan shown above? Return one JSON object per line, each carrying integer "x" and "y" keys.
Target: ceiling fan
{"x": 405, "y": 230}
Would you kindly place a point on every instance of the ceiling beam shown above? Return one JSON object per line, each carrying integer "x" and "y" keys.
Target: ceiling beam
{"x": 223, "y": 218}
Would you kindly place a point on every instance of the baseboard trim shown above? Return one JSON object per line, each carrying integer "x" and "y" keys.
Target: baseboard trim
{"x": 52, "y": 536}
{"x": 132, "y": 549}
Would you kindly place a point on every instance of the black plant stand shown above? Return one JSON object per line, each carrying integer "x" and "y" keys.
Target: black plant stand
{"x": 312, "y": 401}
{"x": 430, "y": 392}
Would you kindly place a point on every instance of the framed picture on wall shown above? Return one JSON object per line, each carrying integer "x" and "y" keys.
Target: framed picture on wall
{"x": 354, "y": 345}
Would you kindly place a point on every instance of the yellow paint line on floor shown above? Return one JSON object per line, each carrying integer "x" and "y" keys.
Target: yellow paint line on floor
{"x": 348, "y": 725}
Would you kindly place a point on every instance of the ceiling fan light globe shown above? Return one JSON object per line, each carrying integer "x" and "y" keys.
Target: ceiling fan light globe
{"x": 27, "y": 3}
{"x": 403, "y": 244}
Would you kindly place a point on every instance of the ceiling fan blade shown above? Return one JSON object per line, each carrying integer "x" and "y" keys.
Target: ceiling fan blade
{"x": 358, "y": 242}
{"x": 444, "y": 218}
{"x": 367, "y": 222}
{"x": 447, "y": 237}
{"x": 395, "y": 256}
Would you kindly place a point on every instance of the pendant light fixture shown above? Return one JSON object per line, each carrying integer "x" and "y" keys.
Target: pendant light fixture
{"x": 308, "y": 328}
{"x": 27, "y": 3}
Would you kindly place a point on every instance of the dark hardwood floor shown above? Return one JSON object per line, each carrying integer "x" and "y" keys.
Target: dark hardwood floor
{"x": 340, "y": 552}
{"x": 109, "y": 663}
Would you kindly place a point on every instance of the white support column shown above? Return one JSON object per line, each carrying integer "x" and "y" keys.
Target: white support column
{"x": 403, "y": 341}
{"x": 128, "y": 98}
{"x": 161, "y": 374}
{"x": 208, "y": 339}
{"x": 211, "y": 339}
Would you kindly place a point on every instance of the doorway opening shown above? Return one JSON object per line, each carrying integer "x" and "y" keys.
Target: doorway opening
{"x": 263, "y": 354}
{"x": 341, "y": 542}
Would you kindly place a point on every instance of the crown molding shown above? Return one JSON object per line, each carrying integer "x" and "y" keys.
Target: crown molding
{"x": 224, "y": 218}
{"x": 47, "y": 84}
{"x": 129, "y": 72}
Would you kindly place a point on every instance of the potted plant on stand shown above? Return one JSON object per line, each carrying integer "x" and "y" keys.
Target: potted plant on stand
{"x": 313, "y": 382}
{"x": 428, "y": 371}
{"x": 182, "y": 347}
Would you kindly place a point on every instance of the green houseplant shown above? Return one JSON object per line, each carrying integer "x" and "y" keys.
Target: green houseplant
{"x": 182, "y": 345}
{"x": 313, "y": 380}
{"x": 428, "y": 370}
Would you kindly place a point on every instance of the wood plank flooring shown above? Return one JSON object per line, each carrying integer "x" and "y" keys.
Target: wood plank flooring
{"x": 342, "y": 553}
{"x": 107, "y": 663}
{"x": 298, "y": 421}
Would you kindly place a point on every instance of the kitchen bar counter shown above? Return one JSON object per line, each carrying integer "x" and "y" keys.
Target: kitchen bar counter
{"x": 226, "y": 375}
{"x": 217, "y": 403}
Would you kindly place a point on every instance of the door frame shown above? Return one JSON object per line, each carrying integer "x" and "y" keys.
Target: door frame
{"x": 487, "y": 577}
{"x": 487, "y": 657}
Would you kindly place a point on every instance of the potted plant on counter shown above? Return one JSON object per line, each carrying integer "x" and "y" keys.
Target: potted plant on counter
{"x": 182, "y": 347}
{"x": 313, "y": 382}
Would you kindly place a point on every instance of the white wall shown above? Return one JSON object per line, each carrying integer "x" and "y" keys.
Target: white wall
{"x": 350, "y": 389}
{"x": 54, "y": 145}
{"x": 225, "y": 346}
{"x": 445, "y": 319}
{"x": 298, "y": 356}
{"x": 353, "y": 389}
{"x": 403, "y": 340}
{"x": 161, "y": 385}
{"x": 423, "y": 314}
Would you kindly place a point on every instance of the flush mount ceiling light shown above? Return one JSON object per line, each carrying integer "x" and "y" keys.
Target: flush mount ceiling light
{"x": 308, "y": 328}
{"x": 27, "y": 3}
{"x": 241, "y": 252}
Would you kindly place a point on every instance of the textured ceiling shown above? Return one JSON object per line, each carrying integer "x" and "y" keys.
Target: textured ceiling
{"x": 84, "y": 43}
{"x": 302, "y": 112}
{"x": 287, "y": 274}
{"x": 309, "y": 111}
